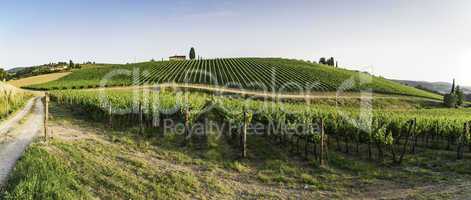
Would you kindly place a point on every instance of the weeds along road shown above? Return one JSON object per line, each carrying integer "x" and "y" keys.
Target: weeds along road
{"x": 17, "y": 133}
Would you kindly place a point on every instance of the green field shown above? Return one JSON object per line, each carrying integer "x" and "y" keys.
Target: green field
{"x": 267, "y": 74}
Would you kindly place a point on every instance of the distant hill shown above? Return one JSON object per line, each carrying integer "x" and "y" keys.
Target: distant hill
{"x": 15, "y": 70}
{"x": 440, "y": 87}
{"x": 272, "y": 74}
{"x": 24, "y": 72}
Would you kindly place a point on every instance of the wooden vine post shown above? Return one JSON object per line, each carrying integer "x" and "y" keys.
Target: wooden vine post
{"x": 187, "y": 124}
{"x": 462, "y": 141}
{"x": 46, "y": 114}
{"x": 414, "y": 138}
{"x": 110, "y": 118}
{"x": 465, "y": 137}
{"x": 157, "y": 120}
{"x": 244, "y": 136}
{"x": 321, "y": 156}
{"x": 7, "y": 104}
{"x": 141, "y": 119}
{"x": 306, "y": 144}
{"x": 469, "y": 136}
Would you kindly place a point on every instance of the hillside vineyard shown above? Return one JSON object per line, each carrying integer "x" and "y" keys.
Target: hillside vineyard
{"x": 259, "y": 74}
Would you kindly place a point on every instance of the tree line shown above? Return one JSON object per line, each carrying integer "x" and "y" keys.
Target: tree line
{"x": 3, "y": 75}
{"x": 39, "y": 70}
{"x": 330, "y": 62}
{"x": 455, "y": 98}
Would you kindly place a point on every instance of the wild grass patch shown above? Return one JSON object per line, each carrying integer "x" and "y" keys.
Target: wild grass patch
{"x": 40, "y": 175}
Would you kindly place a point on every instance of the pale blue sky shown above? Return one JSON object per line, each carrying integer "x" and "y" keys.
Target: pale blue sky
{"x": 403, "y": 39}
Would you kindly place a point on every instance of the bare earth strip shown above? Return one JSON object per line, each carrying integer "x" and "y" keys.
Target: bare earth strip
{"x": 267, "y": 94}
{"x": 12, "y": 149}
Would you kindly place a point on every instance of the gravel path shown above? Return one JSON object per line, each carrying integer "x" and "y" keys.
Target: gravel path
{"x": 12, "y": 149}
{"x": 9, "y": 124}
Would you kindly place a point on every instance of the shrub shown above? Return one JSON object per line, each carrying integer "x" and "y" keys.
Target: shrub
{"x": 450, "y": 100}
{"x": 459, "y": 96}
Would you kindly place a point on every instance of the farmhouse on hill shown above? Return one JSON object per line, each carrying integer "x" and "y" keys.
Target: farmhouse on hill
{"x": 177, "y": 57}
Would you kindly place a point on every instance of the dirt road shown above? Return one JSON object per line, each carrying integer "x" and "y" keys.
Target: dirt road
{"x": 17, "y": 133}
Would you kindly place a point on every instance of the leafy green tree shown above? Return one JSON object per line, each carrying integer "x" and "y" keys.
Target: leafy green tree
{"x": 459, "y": 96}
{"x": 3, "y": 75}
{"x": 322, "y": 61}
{"x": 192, "y": 53}
{"x": 71, "y": 64}
{"x": 455, "y": 98}
{"x": 331, "y": 61}
{"x": 450, "y": 100}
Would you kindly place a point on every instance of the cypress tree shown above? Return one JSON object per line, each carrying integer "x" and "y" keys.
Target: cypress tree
{"x": 192, "y": 53}
{"x": 453, "y": 87}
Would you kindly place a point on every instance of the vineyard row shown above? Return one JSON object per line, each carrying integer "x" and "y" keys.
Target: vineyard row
{"x": 390, "y": 134}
